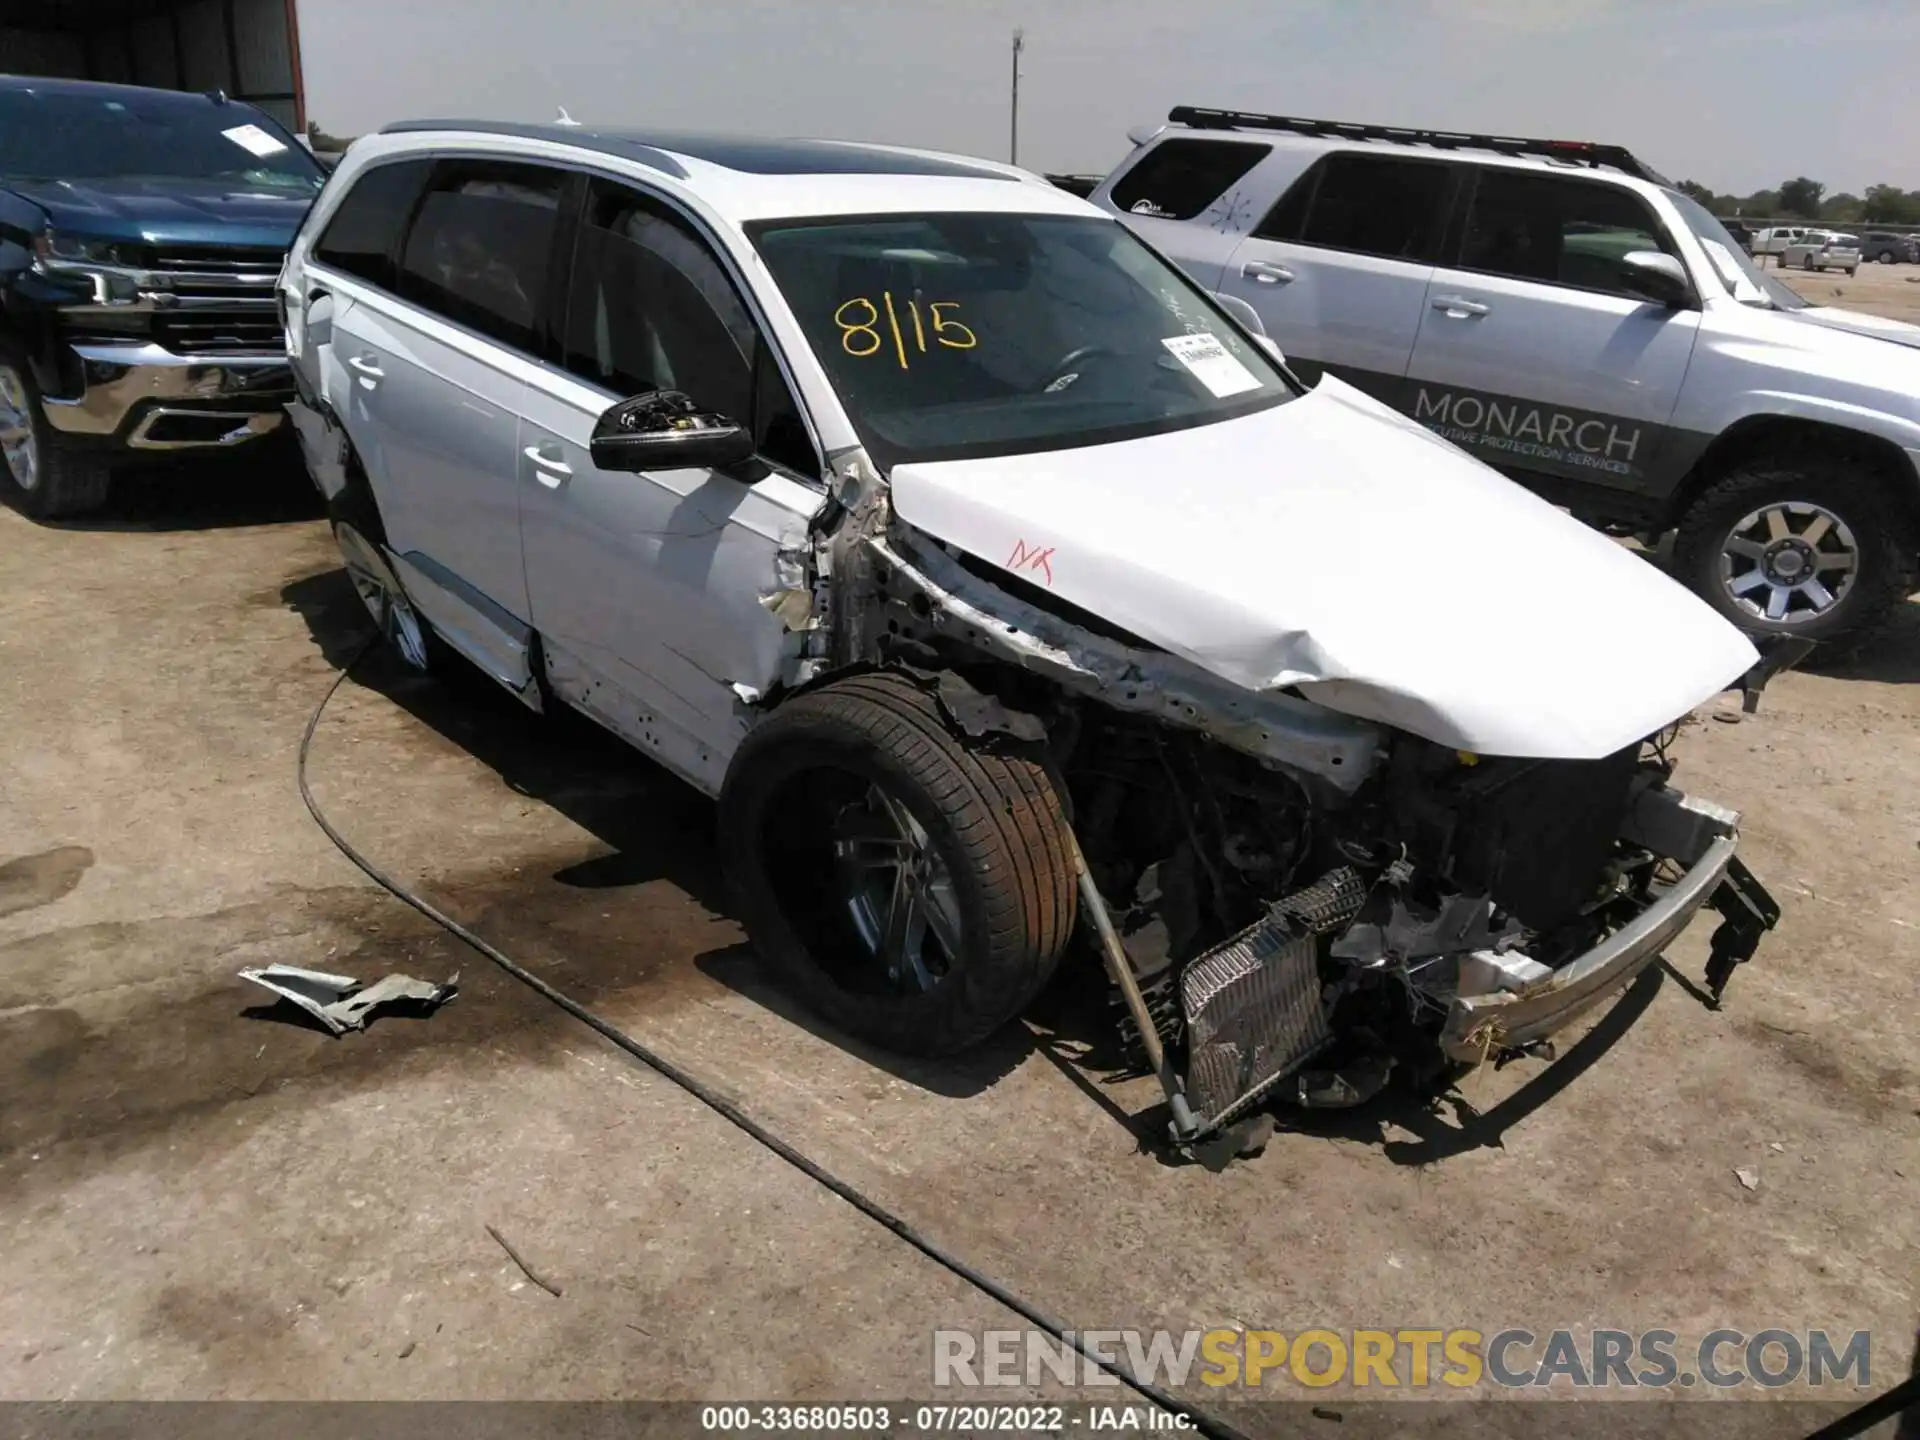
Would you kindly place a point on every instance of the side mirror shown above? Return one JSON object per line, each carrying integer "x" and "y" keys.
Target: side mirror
{"x": 1654, "y": 276}
{"x": 665, "y": 430}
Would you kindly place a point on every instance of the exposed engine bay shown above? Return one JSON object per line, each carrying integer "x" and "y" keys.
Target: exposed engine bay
{"x": 1303, "y": 921}
{"x": 1445, "y": 867}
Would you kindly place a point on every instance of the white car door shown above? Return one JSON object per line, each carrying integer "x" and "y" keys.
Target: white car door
{"x": 1338, "y": 270}
{"x": 648, "y": 589}
{"x": 439, "y": 371}
{"x": 1532, "y": 355}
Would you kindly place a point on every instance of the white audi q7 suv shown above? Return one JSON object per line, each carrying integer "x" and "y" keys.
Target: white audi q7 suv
{"x": 997, "y": 579}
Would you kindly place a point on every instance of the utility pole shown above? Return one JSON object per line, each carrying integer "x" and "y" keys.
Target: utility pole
{"x": 1013, "y": 140}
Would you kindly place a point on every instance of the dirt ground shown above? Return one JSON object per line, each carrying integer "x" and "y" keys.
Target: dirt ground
{"x": 1890, "y": 290}
{"x": 198, "y": 1200}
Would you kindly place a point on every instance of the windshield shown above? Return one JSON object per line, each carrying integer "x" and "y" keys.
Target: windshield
{"x": 118, "y": 134}
{"x": 1745, "y": 281}
{"x": 956, "y": 336}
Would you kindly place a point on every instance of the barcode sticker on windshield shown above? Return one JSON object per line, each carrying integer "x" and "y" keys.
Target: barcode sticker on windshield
{"x": 254, "y": 140}
{"x": 1208, "y": 362}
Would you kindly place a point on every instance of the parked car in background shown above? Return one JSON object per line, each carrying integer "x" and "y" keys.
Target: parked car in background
{"x": 1560, "y": 311}
{"x": 911, "y": 506}
{"x": 1772, "y": 239}
{"x": 141, "y": 233}
{"x": 1882, "y": 247}
{"x": 1741, "y": 234}
{"x": 1822, "y": 250}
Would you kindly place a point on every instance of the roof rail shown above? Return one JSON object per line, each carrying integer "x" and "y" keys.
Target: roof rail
{"x": 1573, "y": 152}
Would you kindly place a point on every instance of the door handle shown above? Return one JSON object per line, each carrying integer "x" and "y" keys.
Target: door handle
{"x": 549, "y": 469}
{"x": 368, "y": 368}
{"x": 1265, "y": 272}
{"x": 1458, "y": 307}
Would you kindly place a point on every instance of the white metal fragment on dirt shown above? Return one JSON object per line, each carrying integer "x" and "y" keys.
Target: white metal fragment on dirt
{"x": 342, "y": 1003}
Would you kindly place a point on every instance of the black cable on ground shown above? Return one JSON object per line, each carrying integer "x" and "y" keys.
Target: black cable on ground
{"x": 1203, "y": 1422}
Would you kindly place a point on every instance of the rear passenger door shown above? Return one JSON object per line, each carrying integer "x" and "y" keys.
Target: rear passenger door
{"x": 1339, "y": 267}
{"x": 1533, "y": 355}
{"x": 439, "y": 374}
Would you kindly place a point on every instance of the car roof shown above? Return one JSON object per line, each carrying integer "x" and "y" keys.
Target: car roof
{"x": 749, "y": 178}
{"x": 1459, "y": 154}
{"x": 99, "y": 89}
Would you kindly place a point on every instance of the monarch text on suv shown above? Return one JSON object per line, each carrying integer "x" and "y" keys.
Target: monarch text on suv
{"x": 1560, "y": 311}
{"x": 989, "y": 575}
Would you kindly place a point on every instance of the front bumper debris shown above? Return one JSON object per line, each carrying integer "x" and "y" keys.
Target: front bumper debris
{"x": 146, "y": 397}
{"x": 1698, "y": 834}
{"x": 1479, "y": 1025}
{"x": 1255, "y": 1007}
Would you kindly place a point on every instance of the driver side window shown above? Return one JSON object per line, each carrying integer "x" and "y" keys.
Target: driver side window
{"x": 651, "y": 308}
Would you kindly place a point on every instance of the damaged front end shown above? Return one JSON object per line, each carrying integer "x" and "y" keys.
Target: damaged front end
{"x": 1296, "y": 903}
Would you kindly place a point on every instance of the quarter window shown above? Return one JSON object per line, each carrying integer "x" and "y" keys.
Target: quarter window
{"x": 364, "y": 231}
{"x": 1177, "y": 179}
{"x": 651, "y": 308}
{"x": 1366, "y": 205}
{"x": 479, "y": 249}
{"x": 1556, "y": 230}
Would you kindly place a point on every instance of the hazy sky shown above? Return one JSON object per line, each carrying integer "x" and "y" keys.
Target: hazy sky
{"x": 1738, "y": 94}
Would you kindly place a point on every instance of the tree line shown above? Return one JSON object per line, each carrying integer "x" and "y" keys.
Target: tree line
{"x": 1808, "y": 199}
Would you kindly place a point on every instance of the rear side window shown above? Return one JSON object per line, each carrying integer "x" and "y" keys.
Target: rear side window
{"x": 480, "y": 247}
{"x": 365, "y": 230}
{"x": 1177, "y": 179}
{"x": 1556, "y": 230}
{"x": 1366, "y": 205}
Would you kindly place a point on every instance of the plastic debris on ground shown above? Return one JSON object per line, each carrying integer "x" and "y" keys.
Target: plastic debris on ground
{"x": 342, "y": 1003}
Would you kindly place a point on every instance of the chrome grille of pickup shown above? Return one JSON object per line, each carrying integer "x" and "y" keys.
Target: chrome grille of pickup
{"x": 220, "y": 299}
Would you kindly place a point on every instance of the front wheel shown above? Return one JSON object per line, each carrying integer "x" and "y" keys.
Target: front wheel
{"x": 912, "y": 886}
{"x": 1803, "y": 546}
{"x": 39, "y": 476}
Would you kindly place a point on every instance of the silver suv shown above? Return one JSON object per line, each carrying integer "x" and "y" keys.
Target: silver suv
{"x": 1561, "y": 311}
{"x": 992, "y": 575}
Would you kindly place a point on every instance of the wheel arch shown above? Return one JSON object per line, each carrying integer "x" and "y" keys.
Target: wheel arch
{"x": 1765, "y": 434}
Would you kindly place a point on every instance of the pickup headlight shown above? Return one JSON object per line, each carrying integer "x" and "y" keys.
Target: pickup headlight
{"x": 70, "y": 250}
{"x": 113, "y": 269}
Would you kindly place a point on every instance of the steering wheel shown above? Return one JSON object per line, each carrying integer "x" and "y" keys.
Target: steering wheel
{"x": 1069, "y": 363}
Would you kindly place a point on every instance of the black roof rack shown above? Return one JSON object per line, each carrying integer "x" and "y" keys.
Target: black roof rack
{"x": 1573, "y": 152}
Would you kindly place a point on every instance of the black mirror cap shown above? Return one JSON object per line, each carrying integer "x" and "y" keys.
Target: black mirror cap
{"x": 666, "y": 430}
{"x": 1656, "y": 276}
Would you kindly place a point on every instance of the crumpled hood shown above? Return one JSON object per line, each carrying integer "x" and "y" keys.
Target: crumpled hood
{"x": 169, "y": 211}
{"x": 1329, "y": 544}
{"x": 1857, "y": 322}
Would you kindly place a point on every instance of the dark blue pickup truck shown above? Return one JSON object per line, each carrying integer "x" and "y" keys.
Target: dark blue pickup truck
{"x": 141, "y": 234}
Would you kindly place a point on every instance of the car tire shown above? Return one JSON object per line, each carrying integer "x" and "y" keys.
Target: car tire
{"x": 1885, "y": 257}
{"x": 362, "y": 540}
{"x": 852, "y": 796}
{"x": 39, "y": 475}
{"x": 1802, "y": 487}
